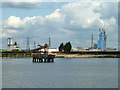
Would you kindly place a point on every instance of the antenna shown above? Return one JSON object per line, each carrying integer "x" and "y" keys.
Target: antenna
{"x": 99, "y": 33}
{"x": 92, "y": 42}
{"x": 34, "y": 45}
{"x": 49, "y": 41}
{"x": 28, "y": 44}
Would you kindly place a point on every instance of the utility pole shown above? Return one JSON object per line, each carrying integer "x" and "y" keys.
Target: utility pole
{"x": 92, "y": 42}
{"x": 28, "y": 45}
{"x": 34, "y": 45}
{"x": 49, "y": 41}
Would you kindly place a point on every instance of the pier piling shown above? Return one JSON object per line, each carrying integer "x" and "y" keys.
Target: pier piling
{"x": 39, "y": 58}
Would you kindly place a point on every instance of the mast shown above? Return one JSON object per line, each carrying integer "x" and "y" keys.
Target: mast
{"x": 34, "y": 45}
{"x": 92, "y": 42}
{"x": 99, "y": 33}
{"x": 28, "y": 45}
{"x": 49, "y": 41}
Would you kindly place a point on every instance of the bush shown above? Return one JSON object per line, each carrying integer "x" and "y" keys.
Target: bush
{"x": 15, "y": 50}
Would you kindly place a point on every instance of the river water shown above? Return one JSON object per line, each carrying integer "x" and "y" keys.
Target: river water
{"x": 63, "y": 73}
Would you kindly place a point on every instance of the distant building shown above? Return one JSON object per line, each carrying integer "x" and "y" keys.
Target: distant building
{"x": 95, "y": 46}
{"x": 102, "y": 39}
{"x": 110, "y": 49}
{"x": 80, "y": 48}
{"x": 51, "y": 50}
{"x": 75, "y": 50}
{"x": 101, "y": 46}
{"x": 11, "y": 46}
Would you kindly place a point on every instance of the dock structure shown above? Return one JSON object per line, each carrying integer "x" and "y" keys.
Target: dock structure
{"x": 39, "y": 58}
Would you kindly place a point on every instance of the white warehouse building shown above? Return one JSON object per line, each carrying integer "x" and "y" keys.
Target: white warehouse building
{"x": 11, "y": 46}
{"x": 51, "y": 50}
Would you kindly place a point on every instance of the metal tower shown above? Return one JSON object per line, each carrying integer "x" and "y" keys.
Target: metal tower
{"x": 28, "y": 45}
{"x": 105, "y": 38}
{"x": 49, "y": 41}
{"x": 99, "y": 33}
{"x": 92, "y": 42}
{"x": 34, "y": 45}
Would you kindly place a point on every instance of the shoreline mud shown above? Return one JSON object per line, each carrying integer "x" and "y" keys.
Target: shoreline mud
{"x": 69, "y": 56}
{"x": 87, "y": 56}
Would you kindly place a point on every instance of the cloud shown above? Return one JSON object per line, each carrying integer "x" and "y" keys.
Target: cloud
{"x": 12, "y": 31}
{"x": 14, "y": 22}
{"x": 73, "y": 22}
{"x": 83, "y": 15}
{"x": 21, "y": 5}
{"x": 59, "y": 0}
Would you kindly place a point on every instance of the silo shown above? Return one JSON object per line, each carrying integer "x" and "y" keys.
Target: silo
{"x": 9, "y": 40}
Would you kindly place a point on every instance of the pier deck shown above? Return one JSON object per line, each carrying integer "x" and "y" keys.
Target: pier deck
{"x": 39, "y": 58}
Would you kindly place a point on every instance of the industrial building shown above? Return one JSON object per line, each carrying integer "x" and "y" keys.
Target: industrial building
{"x": 51, "y": 50}
{"x": 102, "y": 39}
{"x": 101, "y": 46}
{"x": 11, "y": 46}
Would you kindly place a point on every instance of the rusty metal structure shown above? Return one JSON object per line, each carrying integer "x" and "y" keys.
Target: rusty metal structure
{"x": 39, "y": 58}
{"x": 41, "y": 47}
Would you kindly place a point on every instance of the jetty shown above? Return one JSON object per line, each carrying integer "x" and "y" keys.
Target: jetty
{"x": 45, "y": 57}
{"x": 39, "y": 58}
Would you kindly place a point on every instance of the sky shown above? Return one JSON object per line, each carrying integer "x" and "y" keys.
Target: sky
{"x": 62, "y": 21}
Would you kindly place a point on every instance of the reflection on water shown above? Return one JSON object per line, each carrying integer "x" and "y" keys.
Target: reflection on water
{"x": 64, "y": 73}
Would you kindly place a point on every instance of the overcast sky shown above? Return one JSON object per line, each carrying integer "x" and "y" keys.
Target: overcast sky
{"x": 72, "y": 21}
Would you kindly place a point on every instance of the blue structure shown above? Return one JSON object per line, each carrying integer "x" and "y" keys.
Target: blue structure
{"x": 102, "y": 40}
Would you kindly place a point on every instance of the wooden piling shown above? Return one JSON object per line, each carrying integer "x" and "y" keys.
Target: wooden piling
{"x": 39, "y": 58}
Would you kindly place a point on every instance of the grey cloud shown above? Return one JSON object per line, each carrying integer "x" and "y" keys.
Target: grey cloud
{"x": 107, "y": 10}
{"x": 21, "y": 5}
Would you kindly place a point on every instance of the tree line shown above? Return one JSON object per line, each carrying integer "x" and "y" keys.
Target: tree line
{"x": 65, "y": 48}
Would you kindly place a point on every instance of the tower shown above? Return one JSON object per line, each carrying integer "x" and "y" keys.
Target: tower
{"x": 99, "y": 33}
{"x": 102, "y": 39}
{"x": 105, "y": 38}
{"x": 49, "y": 41}
{"x": 92, "y": 42}
{"x": 34, "y": 45}
{"x": 9, "y": 40}
{"x": 105, "y": 41}
{"x": 28, "y": 45}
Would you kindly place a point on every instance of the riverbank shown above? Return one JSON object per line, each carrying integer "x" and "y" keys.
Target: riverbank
{"x": 64, "y": 55}
{"x": 86, "y": 56}
{"x": 16, "y": 56}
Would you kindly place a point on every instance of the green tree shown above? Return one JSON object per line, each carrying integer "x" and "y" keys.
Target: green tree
{"x": 66, "y": 48}
{"x": 61, "y": 47}
{"x": 69, "y": 47}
